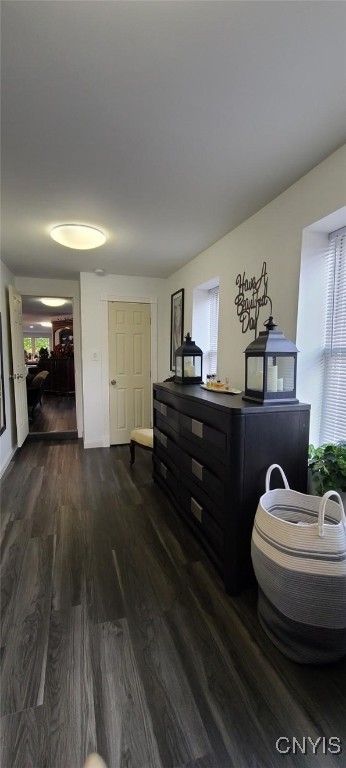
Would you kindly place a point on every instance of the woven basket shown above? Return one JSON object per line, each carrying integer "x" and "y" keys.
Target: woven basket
{"x": 298, "y": 552}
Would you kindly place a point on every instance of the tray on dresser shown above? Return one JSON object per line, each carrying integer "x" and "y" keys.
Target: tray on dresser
{"x": 223, "y": 390}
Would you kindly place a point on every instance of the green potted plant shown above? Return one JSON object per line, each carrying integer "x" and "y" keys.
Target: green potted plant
{"x": 327, "y": 465}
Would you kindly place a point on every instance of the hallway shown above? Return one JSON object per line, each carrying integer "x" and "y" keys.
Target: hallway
{"x": 117, "y": 635}
{"x": 57, "y": 413}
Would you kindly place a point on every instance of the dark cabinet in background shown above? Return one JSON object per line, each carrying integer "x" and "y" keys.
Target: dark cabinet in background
{"x": 61, "y": 375}
{"x": 211, "y": 453}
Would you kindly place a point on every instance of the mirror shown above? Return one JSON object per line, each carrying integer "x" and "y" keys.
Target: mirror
{"x": 2, "y": 392}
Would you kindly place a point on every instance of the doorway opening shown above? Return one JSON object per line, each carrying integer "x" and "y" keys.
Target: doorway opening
{"x": 49, "y": 357}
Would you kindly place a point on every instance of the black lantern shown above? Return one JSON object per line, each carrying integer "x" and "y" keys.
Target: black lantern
{"x": 271, "y": 367}
{"x": 188, "y": 363}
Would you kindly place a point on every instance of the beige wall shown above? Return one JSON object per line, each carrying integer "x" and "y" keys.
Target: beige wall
{"x": 273, "y": 235}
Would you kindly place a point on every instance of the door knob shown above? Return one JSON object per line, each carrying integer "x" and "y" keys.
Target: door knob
{"x": 113, "y": 382}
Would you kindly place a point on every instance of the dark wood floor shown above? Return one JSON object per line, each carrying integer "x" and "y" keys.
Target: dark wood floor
{"x": 57, "y": 413}
{"x": 117, "y": 635}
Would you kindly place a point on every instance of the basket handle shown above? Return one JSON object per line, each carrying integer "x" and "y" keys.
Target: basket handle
{"x": 268, "y": 475}
{"x": 322, "y": 509}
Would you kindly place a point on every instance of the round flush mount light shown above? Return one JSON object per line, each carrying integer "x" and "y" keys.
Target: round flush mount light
{"x": 78, "y": 236}
{"x": 53, "y": 302}
{"x": 99, "y": 271}
{"x": 46, "y": 325}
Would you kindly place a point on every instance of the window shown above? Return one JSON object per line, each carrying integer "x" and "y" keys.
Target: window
{"x": 33, "y": 344}
{"x": 320, "y": 308}
{"x": 333, "y": 416}
{"x": 28, "y": 346}
{"x": 213, "y": 302}
{"x": 205, "y": 322}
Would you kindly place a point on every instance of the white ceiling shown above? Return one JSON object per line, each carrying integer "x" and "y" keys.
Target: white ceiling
{"x": 166, "y": 124}
{"x": 34, "y": 313}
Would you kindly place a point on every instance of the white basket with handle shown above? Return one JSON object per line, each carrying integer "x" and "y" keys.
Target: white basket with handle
{"x": 298, "y": 552}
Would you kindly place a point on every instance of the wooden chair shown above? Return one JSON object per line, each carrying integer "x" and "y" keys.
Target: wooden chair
{"x": 143, "y": 438}
{"x": 35, "y": 385}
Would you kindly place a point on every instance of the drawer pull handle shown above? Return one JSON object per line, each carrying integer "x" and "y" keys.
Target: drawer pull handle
{"x": 163, "y": 470}
{"x": 197, "y": 469}
{"x": 197, "y": 427}
{"x": 196, "y": 509}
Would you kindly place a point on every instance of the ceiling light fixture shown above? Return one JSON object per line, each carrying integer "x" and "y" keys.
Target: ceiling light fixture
{"x": 46, "y": 325}
{"x": 81, "y": 237}
{"x": 53, "y": 302}
{"x": 99, "y": 271}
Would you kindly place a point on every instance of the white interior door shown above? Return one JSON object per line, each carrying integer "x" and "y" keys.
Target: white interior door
{"x": 129, "y": 369}
{"x": 19, "y": 368}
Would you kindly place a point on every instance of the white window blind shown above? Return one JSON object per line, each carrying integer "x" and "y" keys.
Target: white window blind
{"x": 333, "y": 417}
{"x": 213, "y": 295}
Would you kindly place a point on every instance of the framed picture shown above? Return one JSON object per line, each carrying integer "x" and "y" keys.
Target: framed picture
{"x": 177, "y": 323}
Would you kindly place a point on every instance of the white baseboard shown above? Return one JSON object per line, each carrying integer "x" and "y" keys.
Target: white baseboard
{"x": 93, "y": 444}
{"x": 7, "y": 461}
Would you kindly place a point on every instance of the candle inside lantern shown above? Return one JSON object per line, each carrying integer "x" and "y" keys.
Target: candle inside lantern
{"x": 259, "y": 380}
{"x": 272, "y": 378}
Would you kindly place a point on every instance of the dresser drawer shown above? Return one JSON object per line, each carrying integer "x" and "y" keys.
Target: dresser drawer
{"x": 169, "y": 398}
{"x": 164, "y": 426}
{"x": 205, "y": 456}
{"x": 167, "y": 447}
{"x": 202, "y": 476}
{"x": 200, "y": 433}
{"x": 202, "y": 519}
{"x": 169, "y": 460}
{"x": 202, "y": 412}
{"x": 163, "y": 471}
{"x": 214, "y": 508}
{"x": 167, "y": 413}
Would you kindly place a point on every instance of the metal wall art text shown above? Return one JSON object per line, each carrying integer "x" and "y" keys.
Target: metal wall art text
{"x": 251, "y": 297}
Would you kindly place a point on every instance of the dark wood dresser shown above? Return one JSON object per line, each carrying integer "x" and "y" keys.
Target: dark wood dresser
{"x": 211, "y": 453}
{"x": 61, "y": 375}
